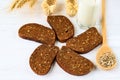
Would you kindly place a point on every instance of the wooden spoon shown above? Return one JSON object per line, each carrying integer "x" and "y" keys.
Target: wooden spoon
{"x": 105, "y": 58}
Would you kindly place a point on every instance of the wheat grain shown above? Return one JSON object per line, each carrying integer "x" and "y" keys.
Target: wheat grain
{"x": 51, "y": 2}
{"x": 20, "y": 3}
{"x": 14, "y": 4}
{"x": 32, "y": 2}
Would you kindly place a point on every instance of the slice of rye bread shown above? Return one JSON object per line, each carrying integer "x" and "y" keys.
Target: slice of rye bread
{"x": 37, "y": 32}
{"x": 62, "y": 26}
{"x": 42, "y": 58}
{"x": 86, "y": 41}
{"x": 73, "y": 63}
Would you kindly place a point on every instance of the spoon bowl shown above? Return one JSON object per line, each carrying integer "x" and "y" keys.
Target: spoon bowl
{"x": 105, "y": 58}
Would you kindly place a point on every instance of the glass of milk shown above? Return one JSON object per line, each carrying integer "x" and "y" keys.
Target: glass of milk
{"x": 88, "y": 12}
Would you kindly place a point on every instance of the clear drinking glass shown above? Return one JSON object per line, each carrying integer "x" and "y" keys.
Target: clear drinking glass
{"x": 88, "y": 13}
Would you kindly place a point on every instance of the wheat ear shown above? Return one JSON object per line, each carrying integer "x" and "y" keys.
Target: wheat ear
{"x": 21, "y": 3}
{"x": 15, "y": 2}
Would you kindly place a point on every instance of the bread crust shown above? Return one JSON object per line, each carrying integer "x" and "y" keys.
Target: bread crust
{"x": 62, "y": 26}
{"x": 42, "y": 58}
{"x": 73, "y": 63}
{"x": 37, "y": 32}
{"x": 86, "y": 41}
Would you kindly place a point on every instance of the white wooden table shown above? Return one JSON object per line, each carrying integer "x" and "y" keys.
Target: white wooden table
{"x": 15, "y": 52}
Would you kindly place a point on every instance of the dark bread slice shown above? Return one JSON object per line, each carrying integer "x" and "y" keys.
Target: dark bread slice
{"x": 37, "y": 32}
{"x": 42, "y": 58}
{"x": 62, "y": 26}
{"x": 73, "y": 63}
{"x": 86, "y": 41}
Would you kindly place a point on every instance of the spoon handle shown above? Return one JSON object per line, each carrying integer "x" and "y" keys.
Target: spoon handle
{"x": 104, "y": 21}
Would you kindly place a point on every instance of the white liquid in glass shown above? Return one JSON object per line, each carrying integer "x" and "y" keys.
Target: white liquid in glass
{"x": 87, "y": 13}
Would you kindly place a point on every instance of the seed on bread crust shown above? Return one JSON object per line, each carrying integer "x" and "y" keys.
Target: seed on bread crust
{"x": 86, "y": 41}
{"x": 42, "y": 58}
{"x": 37, "y": 32}
{"x": 62, "y": 26}
{"x": 73, "y": 63}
